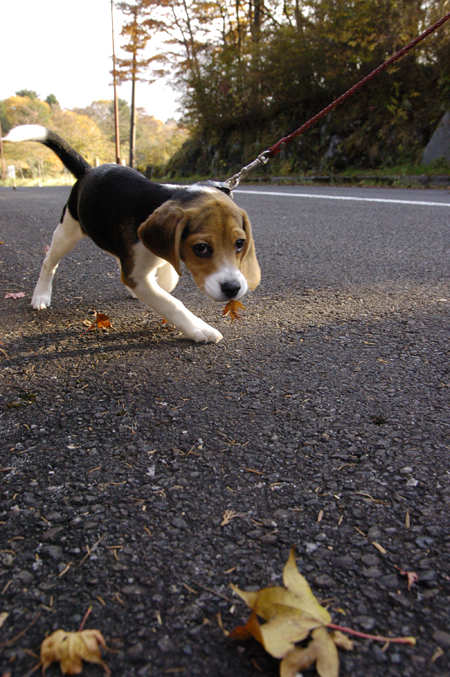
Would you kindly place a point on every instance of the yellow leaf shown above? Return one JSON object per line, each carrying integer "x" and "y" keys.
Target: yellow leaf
{"x": 297, "y": 660}
{"x": 297, "y": 599}
{"x": 279, "y": 635}
{"x": 342, "y": 641}
{"x": 286, "y": 624}
{"x": 298, "y": 584}
{"x": 69, "y": 649}
{"x": 327, "y": 659}
{"x": 249, "y": 598}
{"x": 321, "y": 649}
{"x": 291, "y": 614}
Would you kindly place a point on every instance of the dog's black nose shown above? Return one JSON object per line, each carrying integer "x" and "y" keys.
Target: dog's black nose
{"x": 230, "y": 289}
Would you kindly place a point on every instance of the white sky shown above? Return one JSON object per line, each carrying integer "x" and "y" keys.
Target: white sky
{"x": 64, "y": 47}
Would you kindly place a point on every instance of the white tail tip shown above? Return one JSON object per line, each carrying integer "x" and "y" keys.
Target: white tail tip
{"x": 26, "y": 133}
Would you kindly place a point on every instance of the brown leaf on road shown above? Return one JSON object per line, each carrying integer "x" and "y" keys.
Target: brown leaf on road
{"x": 101, "y": 322}
{"x": 232, "y": 308}
{"x": 70, "y": 649}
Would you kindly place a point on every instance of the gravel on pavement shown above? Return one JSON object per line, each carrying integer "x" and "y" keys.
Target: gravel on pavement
{"x": 321, "y": 421}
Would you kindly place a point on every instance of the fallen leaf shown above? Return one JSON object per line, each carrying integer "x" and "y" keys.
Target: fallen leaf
{"x": 3, "y": 616}
{"x": 70, "y": 649}
{"x": 342, "y": 641}
{"x": 101, "y": 321}
{"x": 292, "y": 613}
{"x": 321, "y": 650}
{"x": 232, "y": 308}
{"x": 14, "y": 295}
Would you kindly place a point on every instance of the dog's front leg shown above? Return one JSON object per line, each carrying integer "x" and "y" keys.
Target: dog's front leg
{"x": 149, "y": 291}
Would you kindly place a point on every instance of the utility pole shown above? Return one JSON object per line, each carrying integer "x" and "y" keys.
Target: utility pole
{"x": 116, "y": 100}
{"x": 133, "y": 94}
{"x": 1, "y": 153}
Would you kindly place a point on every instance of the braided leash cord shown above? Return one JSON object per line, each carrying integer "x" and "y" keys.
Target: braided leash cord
{"x": 264, "y": 157}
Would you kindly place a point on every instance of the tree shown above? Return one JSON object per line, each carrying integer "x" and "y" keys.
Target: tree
{"x": 251, "y": 70}
{"x": 23, "y": 110}
{"x": 52, "y": 100}
{"x": 102, "y": 112}
{"x": 29, "y": 93}
{"x": 137, "y": 32}
{"x": 82, "y": 132}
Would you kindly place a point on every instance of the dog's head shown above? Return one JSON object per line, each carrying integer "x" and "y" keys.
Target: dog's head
{"x": 213, "y": 238}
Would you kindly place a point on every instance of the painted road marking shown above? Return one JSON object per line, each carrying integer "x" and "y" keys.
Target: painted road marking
{"x": 344, "y": 197}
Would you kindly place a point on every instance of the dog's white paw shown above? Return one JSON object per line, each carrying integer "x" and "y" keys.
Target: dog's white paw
{"x": 41, "y": 301}
{"x": 203, "y": 333}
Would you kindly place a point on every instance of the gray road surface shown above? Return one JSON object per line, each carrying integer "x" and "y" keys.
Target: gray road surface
{"x": 321, "y": 420}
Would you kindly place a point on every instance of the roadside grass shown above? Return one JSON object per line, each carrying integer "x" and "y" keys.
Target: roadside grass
{"x": 406, "y": 174}
{"x": 62, "y": 180}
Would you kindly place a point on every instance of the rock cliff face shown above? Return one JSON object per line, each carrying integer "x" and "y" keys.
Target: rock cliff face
{"x": 439, "y": 145}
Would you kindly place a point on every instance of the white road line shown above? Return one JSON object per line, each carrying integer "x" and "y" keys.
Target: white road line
{"x": 343, "y": 197}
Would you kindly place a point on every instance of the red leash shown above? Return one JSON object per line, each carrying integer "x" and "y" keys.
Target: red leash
{"x": 262, "y": 159}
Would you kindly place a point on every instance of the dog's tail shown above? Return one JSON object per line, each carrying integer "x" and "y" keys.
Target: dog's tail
{"x": 76, "y": 164}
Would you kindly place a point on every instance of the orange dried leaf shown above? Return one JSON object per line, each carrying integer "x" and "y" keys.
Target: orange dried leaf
{"x": 70, "y": 649}
{"x": 101, "y": 321}
{"x": 240, "y": 633}
{"x": 232, "y": 308}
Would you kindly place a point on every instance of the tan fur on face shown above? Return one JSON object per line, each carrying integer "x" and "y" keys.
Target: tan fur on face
{"x": 213, "y": 219}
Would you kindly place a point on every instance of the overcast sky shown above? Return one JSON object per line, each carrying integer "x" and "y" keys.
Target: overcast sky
{"x": 64, "y": 47}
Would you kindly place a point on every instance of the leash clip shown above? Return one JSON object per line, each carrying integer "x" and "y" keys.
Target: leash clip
{"x": 235, "y": 180}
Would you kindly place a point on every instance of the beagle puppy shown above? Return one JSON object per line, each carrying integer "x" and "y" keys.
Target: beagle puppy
{"x": 150, "y": 229}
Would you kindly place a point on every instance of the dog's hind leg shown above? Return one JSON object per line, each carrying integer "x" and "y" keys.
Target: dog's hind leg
{"x": 64, "y": 239}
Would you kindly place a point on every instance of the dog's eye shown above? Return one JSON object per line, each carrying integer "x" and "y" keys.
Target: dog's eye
{"x": 202, "y": 249}
{"x": 239, "y": 245}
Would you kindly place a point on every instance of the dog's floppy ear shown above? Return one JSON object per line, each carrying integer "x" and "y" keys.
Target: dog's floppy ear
{"x": 249, "y": 264}
{"x": 162, "y": 231}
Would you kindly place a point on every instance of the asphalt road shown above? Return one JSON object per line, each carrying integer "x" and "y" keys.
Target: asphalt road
{"x": 321, "y": 420}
